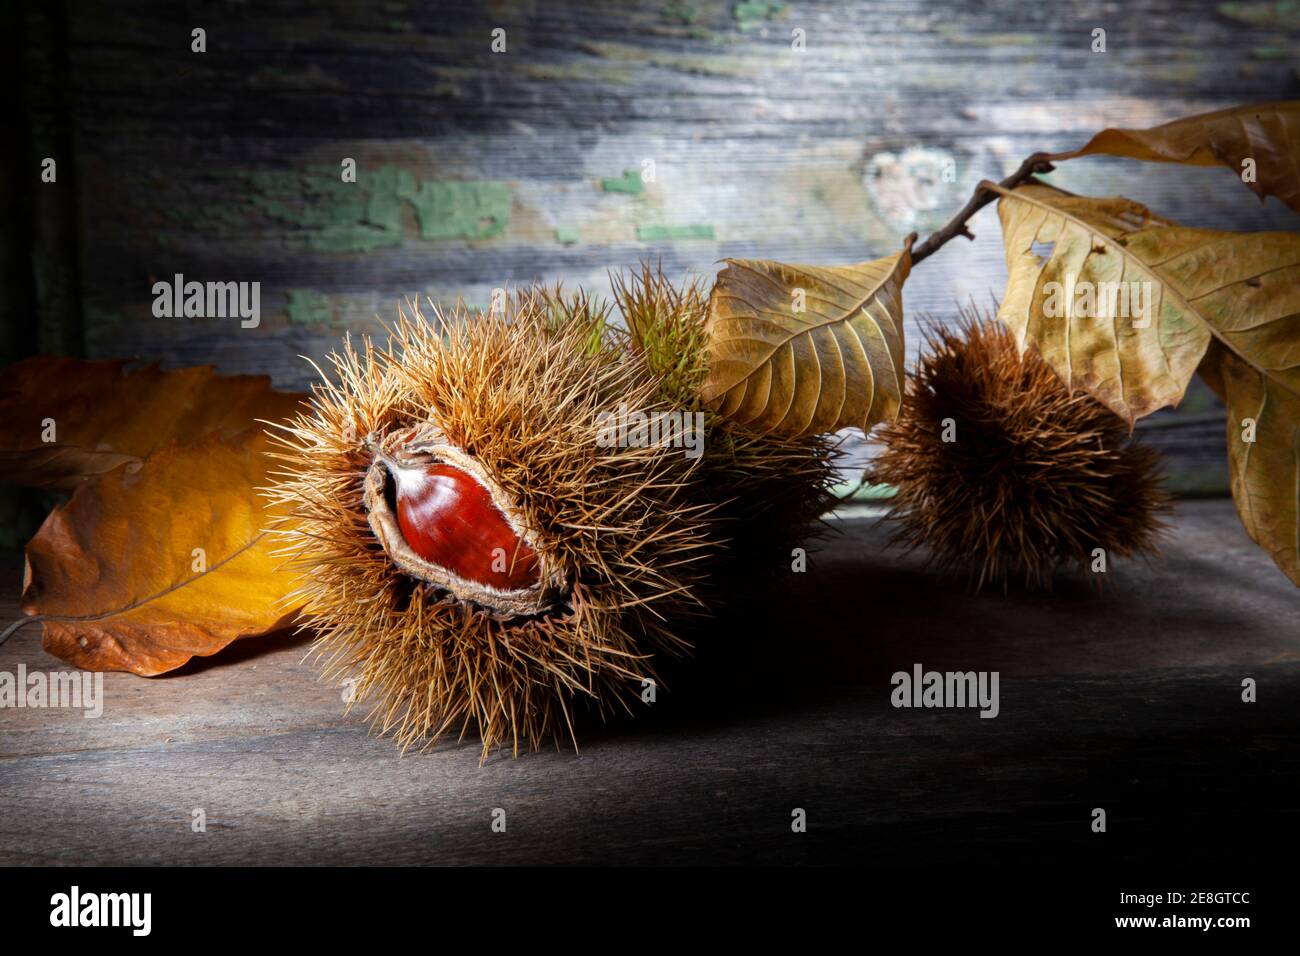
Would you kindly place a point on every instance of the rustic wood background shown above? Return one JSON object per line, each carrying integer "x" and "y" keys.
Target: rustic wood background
{"x": 1128, "y": 700}
{"x": 479, "y": 169}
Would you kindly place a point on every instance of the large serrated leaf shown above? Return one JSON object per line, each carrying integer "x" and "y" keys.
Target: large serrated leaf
{"x": 1238, "y": 288}
{"x": 799, "y": 350}
{"x": 1226, "y": 304}
{"x": 1264, "y": 458}
{"x": 1267, "y": 134}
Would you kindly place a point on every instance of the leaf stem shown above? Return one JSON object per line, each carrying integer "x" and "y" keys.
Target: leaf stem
{"x": 1037, "y": 163}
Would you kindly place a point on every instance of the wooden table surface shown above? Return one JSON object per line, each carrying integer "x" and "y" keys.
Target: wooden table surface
{"x": 1129, "y": 700}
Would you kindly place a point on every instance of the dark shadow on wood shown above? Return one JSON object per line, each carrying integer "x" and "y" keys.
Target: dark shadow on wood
{"x": 243, "y": 651}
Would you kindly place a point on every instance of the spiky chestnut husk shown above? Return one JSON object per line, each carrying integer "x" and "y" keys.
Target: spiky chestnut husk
{"x": 769, "y": 491}
{"x": 1036, "y": 477}
{"x": 627, "y": 539}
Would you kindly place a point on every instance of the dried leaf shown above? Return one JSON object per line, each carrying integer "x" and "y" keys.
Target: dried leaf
{"x": 101, "y": 415}
{"x": 146, "y": 568}
{"x": 1240, "y": 289}
{"x": 801, "y": 350}
{"x": 1267, "y": 133}
{"x": 1226, "y": 304}
{"x": 1264, "y": 458}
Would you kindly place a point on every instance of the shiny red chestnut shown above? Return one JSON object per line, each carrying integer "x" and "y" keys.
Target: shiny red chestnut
{"x": 449, "y": 519}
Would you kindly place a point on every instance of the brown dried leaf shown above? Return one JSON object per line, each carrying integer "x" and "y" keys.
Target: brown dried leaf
{"x": 1268, "y": 133}
{"x": 836, "y": 364}
{"x": 1240, "y": 289}
{"x": 104, "y": 416}
{"x": 1226, "y": 304}
{"x": 114, "y": 572}
{"x": 1266, "y": 471}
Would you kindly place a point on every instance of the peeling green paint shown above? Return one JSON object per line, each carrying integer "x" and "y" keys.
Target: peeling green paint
{"x": 306, "y": 307}
{"x": 956, "y": 37}
{"x": 568, "y": 237}
{"x": 578, "y": 73}
{"x": 751, "y": 14}
{"x": 462, "y": 210}
{"x": 661, "y": 233}
{"x": 367, "y": 215}
{"x": 1281, "y": 14}
{"x": 740, "y": 66}
{"x": 630, "y": 182}
{"x": 337, "y": 216}
{"x": 677, "y": 11}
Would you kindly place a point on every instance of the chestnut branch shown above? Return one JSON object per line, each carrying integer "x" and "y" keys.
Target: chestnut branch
{"x": 1037, "y": 163}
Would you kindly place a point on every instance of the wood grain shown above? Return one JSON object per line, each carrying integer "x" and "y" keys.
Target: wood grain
{"x": 1129, "y": 700}
{"x": 224, "y": 166}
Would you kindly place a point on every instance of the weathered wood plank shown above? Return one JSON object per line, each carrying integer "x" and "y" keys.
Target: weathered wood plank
{"x": 225, "y": 165}
{"x": 1181, "y": 783}
{"x": 1128, "y": 700}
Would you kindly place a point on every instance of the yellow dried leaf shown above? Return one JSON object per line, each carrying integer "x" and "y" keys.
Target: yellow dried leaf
{"x": 1223, "y": 303}
{"x": 63, "y": 420}
{"x": 800, "y": 350}
{"x": 146, "y": 568}
{"x": 1261, "y": 140}
{"x": 1264, "y": 458}
{"x": 1192, "y": 286}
